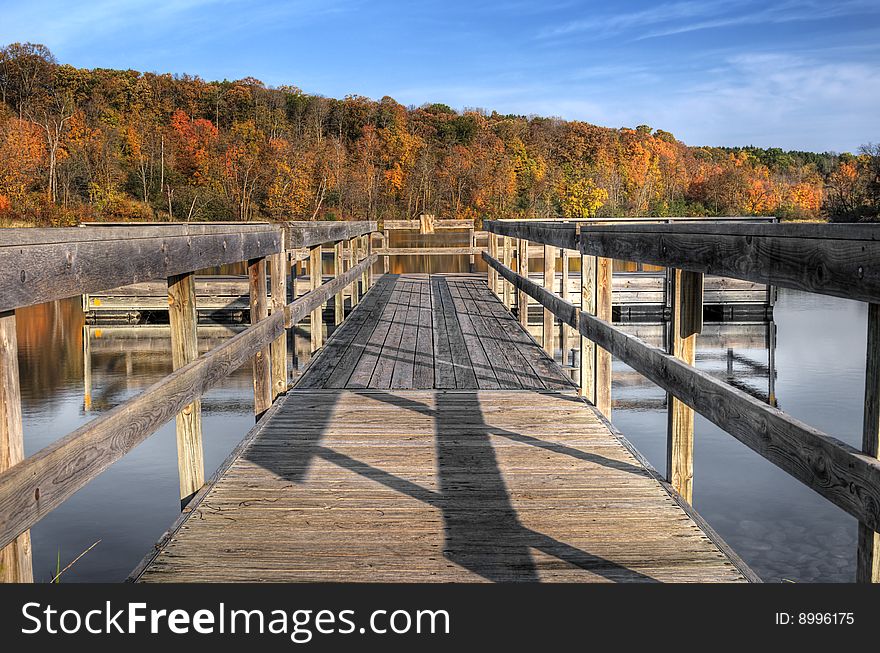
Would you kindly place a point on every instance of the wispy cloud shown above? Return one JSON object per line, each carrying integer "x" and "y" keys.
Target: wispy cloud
{"x": 680, "y": 17}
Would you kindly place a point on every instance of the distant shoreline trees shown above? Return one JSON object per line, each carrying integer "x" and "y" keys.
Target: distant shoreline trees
{"x": 105, "y": 144}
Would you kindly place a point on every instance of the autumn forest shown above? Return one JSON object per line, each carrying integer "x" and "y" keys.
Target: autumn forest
{"x": 108, "y": 145}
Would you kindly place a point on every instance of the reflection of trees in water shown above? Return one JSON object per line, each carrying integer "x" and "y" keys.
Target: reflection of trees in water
{"x": 49, "y": 347}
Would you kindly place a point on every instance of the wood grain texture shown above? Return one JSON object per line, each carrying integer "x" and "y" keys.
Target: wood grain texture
{"x": 184, "y": 350}
{"x": 40, "y": 265}
{"x": 549, "y": 331}
{"x": 278, "y": 272}
{"x": 604, "y": 285}
{"x": 259, "y": 312}
{"x": 310, "y": 233}
{"x": 316, "y": 278}
{"x": 15, "y": 558}
{"x": 587, "y": 386}
{"x": 845, "y": 476}
{"x": 838, "y": 260}
{"x": 558, "y": 234}
{"x": 338, "y": 298}
{"x": 683, "y": 329}
{"x": 432, "y": 331}
{"x": 436, "y": 486}
{"x": 868, "y": 553}
{"x": 522, "y": 266}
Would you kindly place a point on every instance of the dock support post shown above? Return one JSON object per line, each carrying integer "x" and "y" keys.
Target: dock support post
{"x": 316, "y": 272}
{"x": 16, "y": 565}
{"x": 338, "y": 298}
{"x": 492, "y": 276}
{"x": 603, "y": 357}
{"x": 278, "y": 272}
{"x": 365, "y": 276}
{"x": 369, "y": 252}
{"x": 549, "y": 318}
{"x": 687, "y": 322}
{"x": 508, "y": 262}
{"x": 260, "y": 311}
{"x": 563, "y": 332}
{"x": 185, "y": 349}
{"x": 353, "y": 260}
{"x": 587, "y": 387}
{"x": 87, "y": 368}
{"x": 522, "y": 264}
{"x": 868, "y": 556}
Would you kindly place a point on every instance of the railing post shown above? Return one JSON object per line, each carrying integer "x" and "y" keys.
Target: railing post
{"x": 687, "y": 322}
{"x": 588, "y": 348}
{"x": 604, "y": 282}
{"x": 16, "y": 565}
{"x": 385, "y": 258}
{"x": 868, "y": 557}
{"x": 87, "y": 368}
{"x": 508, "y": 260}
{"x": 369, "y": 253}
{"x": 549, "y": 283}
{"x": 472, "y": 240}
{"x": 522, "y": 264}
{"x": 338, "y": 298}
{"x": 353, "y": 257}
{"x": 260, "y": 311}
{"x": 316, "y": 273}
{"x": 563, "y": 332}
{"x": 492, "y": 276}
{"x": 278, "y": 273}
{"x": 365, "y": 277}
{"x": 185, "y": 349}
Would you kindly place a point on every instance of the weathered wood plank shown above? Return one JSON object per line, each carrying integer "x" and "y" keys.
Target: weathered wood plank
{"x": 184, "y": 350}
{"x": 868, "y": 554}
{"x": 334, "y": 365}
{"x": 15, "y": 558}
{"x": 279, "y": 265}
{"x": 338, "y": 298}
{"x": 686, "y": 323}
{"x": 311, "y": 233}
{"x": 604, "y": 284}
{"x": 260, "y": 311}
{"x": 820, "y": 258}
{"x": 53, "y": 266}
{"x": 549, "y": 331}
{"x": 557, "y": 234}
{"x": 436, "y": 486}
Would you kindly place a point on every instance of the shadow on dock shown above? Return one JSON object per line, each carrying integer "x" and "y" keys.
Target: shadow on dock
{"x": 482, "y": 531}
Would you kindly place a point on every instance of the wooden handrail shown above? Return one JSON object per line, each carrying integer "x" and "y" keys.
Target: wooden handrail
{"x": 842, "y": 260}
{"x": 845, "y": 476}
{"x": 32, "y": 488}
{"x": 41, "y": 265}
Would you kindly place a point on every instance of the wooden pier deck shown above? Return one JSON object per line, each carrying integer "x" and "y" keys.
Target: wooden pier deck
{"x": 433, "y": 440}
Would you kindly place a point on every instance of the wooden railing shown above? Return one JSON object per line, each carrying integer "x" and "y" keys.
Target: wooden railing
{"x": 838, "y": 260}
{"x": 428, "y": 225}
{"x": 41, "y": 265}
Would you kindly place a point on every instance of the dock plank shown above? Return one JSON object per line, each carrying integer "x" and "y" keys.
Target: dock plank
{"x": 437, "y": 486}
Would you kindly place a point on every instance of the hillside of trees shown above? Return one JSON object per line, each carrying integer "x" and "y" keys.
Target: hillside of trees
{"x": 102, "y": 144}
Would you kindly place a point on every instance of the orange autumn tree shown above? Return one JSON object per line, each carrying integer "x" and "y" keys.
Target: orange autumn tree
{"x": 22, "y": 155}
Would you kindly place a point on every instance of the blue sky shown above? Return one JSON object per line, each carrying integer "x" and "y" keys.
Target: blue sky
{"x": 796, "y": 74}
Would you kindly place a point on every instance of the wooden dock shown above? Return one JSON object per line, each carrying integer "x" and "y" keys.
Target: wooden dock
{"x": 431, "y": 437}
{"x": 433, "y": 440}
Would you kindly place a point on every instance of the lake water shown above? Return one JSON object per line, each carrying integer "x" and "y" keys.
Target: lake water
{"x": 782, "y": 529}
